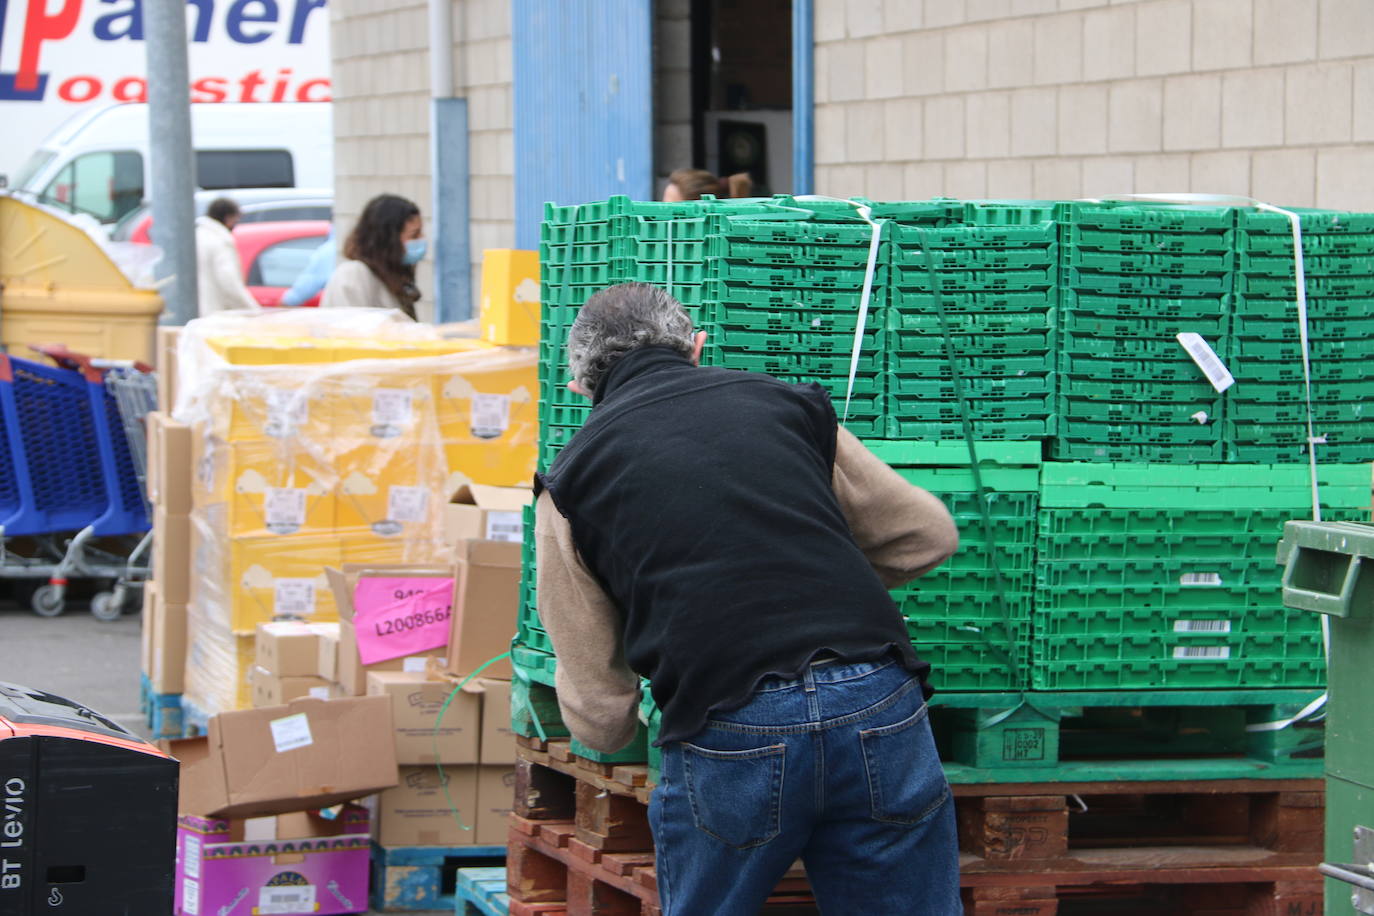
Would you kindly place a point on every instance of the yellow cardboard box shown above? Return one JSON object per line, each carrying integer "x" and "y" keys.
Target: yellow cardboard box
{"x": 509, "y": 313}
{"x": 245, "y": 581}
{"x": 391, "y": 489}
{"x": 269, "y": 487}
{"x": 488, "y": 411}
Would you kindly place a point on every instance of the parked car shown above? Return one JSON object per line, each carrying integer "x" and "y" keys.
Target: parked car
{"x": 274, "y": 254}
{"x": 259, "y": 205}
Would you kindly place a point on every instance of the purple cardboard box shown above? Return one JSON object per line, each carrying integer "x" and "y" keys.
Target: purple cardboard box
{"x": 292, "y": 863}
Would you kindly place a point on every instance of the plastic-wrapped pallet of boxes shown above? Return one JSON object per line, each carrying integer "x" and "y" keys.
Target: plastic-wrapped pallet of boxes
{"x": 323, "y": 440}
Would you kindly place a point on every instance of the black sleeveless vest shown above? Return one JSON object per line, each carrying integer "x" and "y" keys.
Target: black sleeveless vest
{"x": 701, "y": 498}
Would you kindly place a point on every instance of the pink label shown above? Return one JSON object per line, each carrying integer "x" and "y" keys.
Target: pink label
{"x": 401, "y": 616}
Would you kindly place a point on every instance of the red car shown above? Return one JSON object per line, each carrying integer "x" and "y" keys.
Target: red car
{"x": 274, "y": 254}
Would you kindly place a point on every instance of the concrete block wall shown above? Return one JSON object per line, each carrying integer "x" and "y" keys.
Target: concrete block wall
{"x": 380, "y": 51}
{"x": 1068, "y": 98}
{"x": 672, "y": 89}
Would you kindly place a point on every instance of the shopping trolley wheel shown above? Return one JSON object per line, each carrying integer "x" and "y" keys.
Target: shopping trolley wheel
{"x": 48, "y": 601}
{"x": 106, "y": 606}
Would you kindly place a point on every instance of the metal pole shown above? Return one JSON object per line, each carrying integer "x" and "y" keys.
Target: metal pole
{"x": 803, "y": 97}
{"x": 448, "y": 144}
{"x": 171, "y": 162}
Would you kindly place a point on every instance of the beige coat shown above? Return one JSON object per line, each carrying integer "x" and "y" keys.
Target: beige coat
{"x": 354, "y": 285}
{"x": 219, "y": 272}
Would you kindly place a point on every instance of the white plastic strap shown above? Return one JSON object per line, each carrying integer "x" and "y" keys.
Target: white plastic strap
{"x": 670, "y": 256}
{"x": 866, "y": 214}
{"x": 1307, "y": 712}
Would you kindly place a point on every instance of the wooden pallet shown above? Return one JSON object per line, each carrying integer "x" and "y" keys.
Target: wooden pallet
{"x": 162, "y": 711}
{"x": 409, "y": 878}
{"x": 1178, "y": 892}
{"x": 482, "y": 892}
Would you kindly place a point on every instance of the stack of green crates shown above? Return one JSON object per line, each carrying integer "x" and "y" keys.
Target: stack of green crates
{"x": 970, "y": 618}
{"x": 1153, "y": 576}
{"x": 992, "y": 291}
{"x": 784, "y": 296}
{"x": 1134, "y": 277}
{"x": 1267, "y": 417}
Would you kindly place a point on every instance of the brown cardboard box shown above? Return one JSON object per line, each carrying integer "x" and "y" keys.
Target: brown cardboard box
{"x": 328, "y": 662}
{"x": 417, "y": 813}
{"x": 478, "y": 512}
{"x": 415, "y": 706}
{"x": 167, "y": 366}
{"x": 148, "y": 623}
{"x": 291, "y": 648}
{"x": 172, "y": 555}
{"x": 495, "y": 801}
{"x": 170, "y": 470}
{"x": 169, "y": 646}
{"x": 273, "y": 690}
{"x": 351, "y": 672}
{"x": 305, "y": 755}
{"x": 484, "y": 613}
{"x": 498, "y": 741}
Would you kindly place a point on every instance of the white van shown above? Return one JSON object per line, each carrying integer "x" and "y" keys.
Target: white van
{"x": 97, "y": 162}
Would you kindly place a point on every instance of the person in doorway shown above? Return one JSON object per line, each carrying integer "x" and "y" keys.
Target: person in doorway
{"x": 219, "y": 270}
{"x": 380, "y": 257}
{"x": 693, "y": 184}
{"x": 719, "y": 533}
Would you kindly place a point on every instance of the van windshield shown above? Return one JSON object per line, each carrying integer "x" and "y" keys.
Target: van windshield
{"x": 105, "y": 185}
{"x": 36, "y": 163}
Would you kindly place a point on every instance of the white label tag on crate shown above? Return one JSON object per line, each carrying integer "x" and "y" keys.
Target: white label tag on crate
{"x": 1209, "y": 579}
{"x": 391, "y": 410}
{"x": 415, "y": 664}
{"x": 293, "y": 597}
{"x": 287, "y": 411}
{"x": 406, "y": 504}
{"x": 291, "y": 732}
{"x": 1206, "y": 653}
{"x": 285, "y": 509}
{"x": 287, "y": 899}
{"x": 505, "y": 526}
{"x": 1207, "y": 360}
{"x": 1202, "y": 626}
{"x": 319, "y": 693}
{"x": 490, "y": 415}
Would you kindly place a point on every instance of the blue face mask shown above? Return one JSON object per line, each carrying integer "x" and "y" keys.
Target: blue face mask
{"x": 415, "y": 250}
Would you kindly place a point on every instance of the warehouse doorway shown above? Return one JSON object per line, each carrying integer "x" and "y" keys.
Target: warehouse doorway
{"x": 723, "y": 89}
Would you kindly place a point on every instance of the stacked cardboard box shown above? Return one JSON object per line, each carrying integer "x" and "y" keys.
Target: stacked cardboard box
{"x": 166, "y": 600}
{"x": 293, "y": 659}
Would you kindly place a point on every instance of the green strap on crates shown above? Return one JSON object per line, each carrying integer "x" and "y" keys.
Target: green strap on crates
{"x": 989, "y": 530}
{"x": 439, "y": 720}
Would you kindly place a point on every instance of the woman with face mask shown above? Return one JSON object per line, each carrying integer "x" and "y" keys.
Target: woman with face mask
{"x": 380, "y": 256}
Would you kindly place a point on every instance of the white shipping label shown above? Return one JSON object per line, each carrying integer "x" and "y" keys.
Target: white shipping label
{"x": 490, "y": 415}
{"x": 1202, "y": 626}
{"x": 190, "y": 864}
{"x": 1209, "y": 579}
{"x": 505, "y": 526}
{"x": 293, "y": 597}
{"x": 1206, "y": 653}
{"x": 284, "y": 508}
{"x": 391, "y": 407}
{"x": 319, "y": 693}
{"x": 406, "y": 504}
{"x": 190, "y": 896}
{"x": 287, "y": 411}
{"x": 1207, "y": 360}
{"x": 415, "y": 664}
{"x": 292, "y": 899}
{"x": 291, "y": 732}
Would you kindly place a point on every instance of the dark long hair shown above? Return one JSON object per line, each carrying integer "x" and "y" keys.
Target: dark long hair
{"x": 376, "y": 241}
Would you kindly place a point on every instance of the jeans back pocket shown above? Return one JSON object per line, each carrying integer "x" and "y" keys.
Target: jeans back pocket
{"x": 735, "y": 795}
{"x": 905, "y": 779}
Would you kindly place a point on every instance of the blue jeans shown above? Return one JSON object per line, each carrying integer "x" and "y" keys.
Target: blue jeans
{"x": 837, "y": 768}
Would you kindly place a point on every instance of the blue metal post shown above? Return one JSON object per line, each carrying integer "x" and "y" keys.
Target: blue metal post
{"x": 453, "y": 245}
{"x": 803, "y": 97}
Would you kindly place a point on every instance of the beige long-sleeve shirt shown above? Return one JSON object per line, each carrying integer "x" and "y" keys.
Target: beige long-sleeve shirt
{"x": 903, "y": 530}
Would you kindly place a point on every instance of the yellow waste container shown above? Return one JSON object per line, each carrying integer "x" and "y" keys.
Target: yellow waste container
{"x": 57, "y": 285}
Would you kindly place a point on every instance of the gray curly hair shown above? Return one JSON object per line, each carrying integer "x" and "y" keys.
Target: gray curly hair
{"x": 620, "y": 319}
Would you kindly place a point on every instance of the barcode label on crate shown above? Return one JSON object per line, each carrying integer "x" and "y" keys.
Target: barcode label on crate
{"x": 287, "y": 411}
{"x": 1202, "y": 626}
{"x": 406, "y": 504}
{"x": 1207, "y": 360}
{"x": 295, "y": 899}
{"x": 391, "y": 410}
{"x": 1208, "y": 653}
{"x": 505, "y": 526}
{"x": 293, "y": 597}
{"x": 285, "y": 509}
{"x": 490, "y": 415}
{"x": 415, "y": 664}
{"x": 1209, "y": 579}
{"x": 291, "y": 732}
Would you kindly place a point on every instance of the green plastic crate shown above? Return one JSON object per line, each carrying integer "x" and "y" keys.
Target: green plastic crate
{"x": 1290, "y": 351}
{"x": 1130, "y": 217}
{"x": 1095, "y": 281}
{"x": 1323, "y": 265}
{"x": 924, "y": 301}
{"x": 977, "y": 259}
{"x": 799, "y": 320}
{"x": 1123, "y": 410}
{"x": 1242, "y": 414}
{"x": 1165, "y": 347}
{"x": 1066, "y": 448}
{"x": 1177, "y": 675}
{"x": 915, "y": 407}
{"x": 1107, "y": 526}
{"x": 1041, "y": 235}
{"x": 1173, "y": 392}
{"x": 1130, "y": 327}
{"x": 1099, "y": 366}
{"x": 1341, "y": 371}
{"x": 1182, "y": 624}
{"x": 932, "y": 343}
{"x": 1156, "y": 308}
{"x": 952, "y": 454}
{"x": 1147, "y": 242}
{"x": 806, "y": 341}
{"x": 1294, "y": 392}
{"x": 1312, "y": 244}
{"x": 790, "y": 362}
{"x": 966, "y": 608}
{"x": 973, "y": 281}
{"x": 1153, "y": 264}
{"x": 1163, "y": 597}
{"x": 1286, "y": 328}
{"x": 936, "y": 366}
{"x": 1286, "y": 287}
{"x": 1284, "y": 308}
{"x": 1027, "y": 386}
{"x": 899, "y": 428}
{"x": 1313, "y": 221}
{"x": 981, "y": 323}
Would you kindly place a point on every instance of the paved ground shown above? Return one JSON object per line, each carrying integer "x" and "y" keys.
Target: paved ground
{"x": 79, "y": 657}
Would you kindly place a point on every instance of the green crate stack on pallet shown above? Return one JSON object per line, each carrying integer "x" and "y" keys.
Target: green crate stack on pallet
{"x": 970, "y": 618}
{"x": 993, "y": 289}
{"x": 1133, "y": 277}
{"x": 1163, "y": 576}
{"x": 1267, "y": 416}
